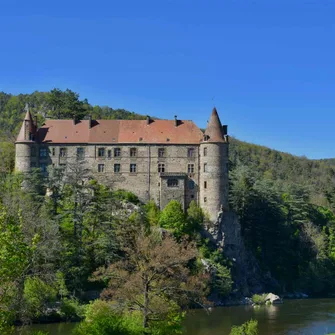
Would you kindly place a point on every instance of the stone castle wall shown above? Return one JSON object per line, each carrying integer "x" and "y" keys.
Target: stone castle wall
{"x": 147, "y": 183}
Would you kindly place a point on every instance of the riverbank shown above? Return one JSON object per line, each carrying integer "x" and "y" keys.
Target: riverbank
{"x": 296, "y": 316}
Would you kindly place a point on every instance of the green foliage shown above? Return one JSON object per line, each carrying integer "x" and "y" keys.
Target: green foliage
{"x": 126, "y": 196}
{"x": 71, "y": 309}
{"x": 152, "y": 213}
{"x": 14, "y": 262}
{"x": 222, "y": 281}
{"x": 38, "y": 296}
{"x": 259, "y": 299}
{"x": 195, "y": 218}
{"x": 173, "y": 217}
{"x": 248, "y": 328}
{"x": 102, "y": 318}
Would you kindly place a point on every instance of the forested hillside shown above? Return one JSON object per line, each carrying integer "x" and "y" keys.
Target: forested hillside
{"x": 317, "y": 176}
{"x": 58, "y": 246}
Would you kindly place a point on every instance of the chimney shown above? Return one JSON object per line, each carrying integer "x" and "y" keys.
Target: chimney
{"x": 175, "y": 121}
{"x": 148, "y": 120}
{"x": 74, "y": 120}
{"x": 225, "y": 129}
{"x": 90, "y": 122}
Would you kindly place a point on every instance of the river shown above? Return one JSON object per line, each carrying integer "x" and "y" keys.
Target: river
{"x": 307, "y": 317}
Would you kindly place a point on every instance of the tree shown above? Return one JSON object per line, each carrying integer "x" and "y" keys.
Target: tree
{"x": 15, "y": 256}
{"x": 152, "y": 213}
{"x": 173, "y": 217}
{"x": 248, "y": 328}
{"x": 195, "y": 218}
{"x": 65, "y": 104}
{"x": 153, "y": 278}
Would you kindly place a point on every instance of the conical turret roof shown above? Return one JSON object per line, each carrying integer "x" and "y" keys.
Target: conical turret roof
{"x": 23, "y": 137}
{"x": 214, "y": 131}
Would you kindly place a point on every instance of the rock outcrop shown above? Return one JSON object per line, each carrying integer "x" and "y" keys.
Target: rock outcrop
{"x": 225, "y": 232}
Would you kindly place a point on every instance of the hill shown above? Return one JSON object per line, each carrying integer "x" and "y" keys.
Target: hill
{"x": 316, "y": 176}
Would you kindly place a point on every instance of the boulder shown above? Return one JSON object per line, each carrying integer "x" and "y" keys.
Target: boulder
{"x": 273, "y": 299}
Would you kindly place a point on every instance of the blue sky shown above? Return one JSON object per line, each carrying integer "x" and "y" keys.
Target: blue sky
{"x": 267, "y": 65}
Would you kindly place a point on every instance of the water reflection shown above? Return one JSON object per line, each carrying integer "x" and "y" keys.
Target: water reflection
{"x": 295, "y": 317}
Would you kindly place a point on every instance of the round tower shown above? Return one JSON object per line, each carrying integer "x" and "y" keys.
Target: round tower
{"x": 214, "y": 168}
{"x": 24, "y": 144}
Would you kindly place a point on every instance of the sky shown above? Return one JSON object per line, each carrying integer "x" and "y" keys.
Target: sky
{"x": 267, "y": 65}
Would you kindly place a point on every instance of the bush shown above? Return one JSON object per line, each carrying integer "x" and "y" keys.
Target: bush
{"x": 38, "y": 296}
{"x": 248, "y": 328}
{"x": 259, "y": 299}
{"x": 173, "y": 217}
{"x": 71, "y": 309}
{"x": 127, "y": 196}
{"x": 103, "y": 319}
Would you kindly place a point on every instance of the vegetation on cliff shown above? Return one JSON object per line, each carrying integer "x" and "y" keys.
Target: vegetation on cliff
{"x": 52, "y": 247}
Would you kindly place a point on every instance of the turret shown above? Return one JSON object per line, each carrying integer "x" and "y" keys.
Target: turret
{"x": 214, "y": 168}
{"x": 25, "y": 143}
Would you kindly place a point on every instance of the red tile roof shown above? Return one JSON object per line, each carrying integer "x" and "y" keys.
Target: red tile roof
{"x": 120, "y": 131}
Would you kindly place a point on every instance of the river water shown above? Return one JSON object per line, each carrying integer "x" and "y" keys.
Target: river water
{"x": 307, "y": 317}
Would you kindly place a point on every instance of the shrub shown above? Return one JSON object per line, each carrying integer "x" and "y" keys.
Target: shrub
{"x": 259, "y": 299}
{"x": 248, "y": 328}
{"x": 71, "y": 309}
{"x": 38, "y": 295}
{"x": 123, "y": 195}
{"x": 173, "y": 217}
{"x": 102, "y": 318}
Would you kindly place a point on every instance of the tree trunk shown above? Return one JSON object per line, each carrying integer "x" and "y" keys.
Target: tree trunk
{"x": 146, "y": 303}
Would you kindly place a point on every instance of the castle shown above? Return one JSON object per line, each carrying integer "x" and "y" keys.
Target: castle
{"x": 155, "y": 159}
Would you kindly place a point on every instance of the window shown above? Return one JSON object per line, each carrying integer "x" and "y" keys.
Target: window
{"x": 117, "y": 152}
{"x": 161, "y": 152}
{"x": 43, "y": 167}
{"x": 133, "y": 152}
{"x": 205, "y": 167}
{"x": 205, "y": 151}
{"x": 43, "y": 152}
{"x": 101, "y": 167}
{"x": 172, "y": 182}
{"x": 132, "y": 168}
{"x": 53, "y": 151}
{"x": 80, "y": 153}
{"x": 101, "y": 152}
{"x": 117, "y": 168}
{"x": 190, "y": 152}
{"x": 205, "y": 184}
{"x": 161, "y": 167}
{"x": 109, "y": 154}
{"x": 190, "y": 168}
{"x": 191, "y": 184}
{"x": 32, "y": 164}
{"x": 62, "y": 152}
{"x": 205, "y": 199}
